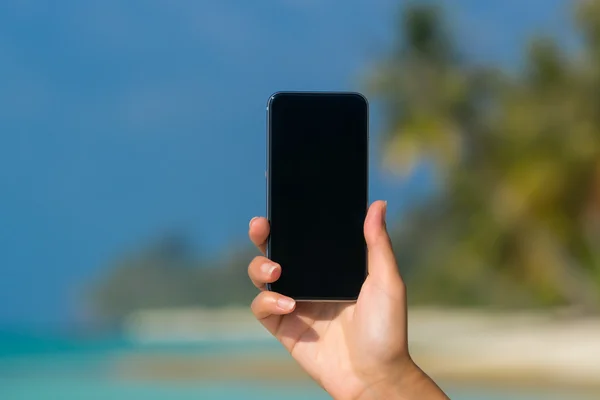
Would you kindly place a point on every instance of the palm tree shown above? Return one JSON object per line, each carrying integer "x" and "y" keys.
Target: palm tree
{"x": 518, "y": 158}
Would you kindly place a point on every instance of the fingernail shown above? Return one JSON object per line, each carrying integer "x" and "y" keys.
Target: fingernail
{"x": 285, "y": 303}
{"x": 384, "y": 211}
{"x": 268, "y": 268}
{"x": 251, "y": 221}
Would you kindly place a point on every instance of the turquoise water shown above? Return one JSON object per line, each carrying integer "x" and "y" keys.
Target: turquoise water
{"x": 97, "y": 390}
{"x": 37, "y": 368}
{"x": 102, "y": 390}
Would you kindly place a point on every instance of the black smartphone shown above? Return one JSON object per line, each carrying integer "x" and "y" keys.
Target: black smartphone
{"x": 317, "y": 193}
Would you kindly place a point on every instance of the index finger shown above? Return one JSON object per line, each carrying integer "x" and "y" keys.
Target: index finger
{"x": 259, "y": 232}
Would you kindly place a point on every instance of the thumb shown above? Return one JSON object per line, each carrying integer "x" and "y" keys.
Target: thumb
{"x": 382, "y": 262}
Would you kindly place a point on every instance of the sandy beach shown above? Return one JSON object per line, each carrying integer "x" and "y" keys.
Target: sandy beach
{"x": 517, "y": 349}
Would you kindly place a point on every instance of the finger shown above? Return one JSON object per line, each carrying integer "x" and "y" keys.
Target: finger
{"x": 259, "y": 232}
{"x": 382, "y": 262}
{"x": 267, "y": 304}
{"x": 262, "y": 270}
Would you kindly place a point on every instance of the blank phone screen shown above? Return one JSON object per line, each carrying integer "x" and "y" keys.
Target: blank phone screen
{"x": 317, "y": 193}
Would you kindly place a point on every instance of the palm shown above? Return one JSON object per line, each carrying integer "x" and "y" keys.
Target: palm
{"x": 312, "y": 334}
{"x": 329, "y": 340}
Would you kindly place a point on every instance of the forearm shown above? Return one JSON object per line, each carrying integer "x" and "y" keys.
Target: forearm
{"x": 414, "y": 385}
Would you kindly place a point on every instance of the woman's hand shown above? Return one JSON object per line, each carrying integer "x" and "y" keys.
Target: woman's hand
{"x": 353, "y": 350}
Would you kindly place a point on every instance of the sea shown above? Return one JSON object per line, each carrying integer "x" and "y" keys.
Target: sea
{"x": 37, "y": 367}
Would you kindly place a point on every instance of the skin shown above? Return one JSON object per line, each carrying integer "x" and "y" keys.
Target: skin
{"x": 355, "y": 351}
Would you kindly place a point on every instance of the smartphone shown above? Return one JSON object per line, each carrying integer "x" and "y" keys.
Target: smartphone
{"x": 317, "y": 193}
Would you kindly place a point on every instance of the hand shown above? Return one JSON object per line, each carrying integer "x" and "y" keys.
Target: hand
{"x": 353, "y": 350}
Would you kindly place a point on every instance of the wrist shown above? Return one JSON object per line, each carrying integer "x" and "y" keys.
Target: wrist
{"x": 403, "y": 382}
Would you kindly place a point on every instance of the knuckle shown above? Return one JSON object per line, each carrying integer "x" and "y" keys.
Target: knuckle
{"x": 256, "y": 261}
{"x": 260, "y": 304}
{"x": 256, "y": 302}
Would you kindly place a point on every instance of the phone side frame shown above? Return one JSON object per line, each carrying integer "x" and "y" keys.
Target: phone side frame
{"x": 268, "y": 179}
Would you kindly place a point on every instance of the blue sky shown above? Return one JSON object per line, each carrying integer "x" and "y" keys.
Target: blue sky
{"x": 120, "y": 121}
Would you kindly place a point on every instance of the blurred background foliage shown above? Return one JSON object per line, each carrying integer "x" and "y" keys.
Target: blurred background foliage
{"x": 515, "y": 218}
{"x": 167, "y": 275}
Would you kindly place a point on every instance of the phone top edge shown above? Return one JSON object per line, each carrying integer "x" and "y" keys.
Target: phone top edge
{"x": 273, "y": 96}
